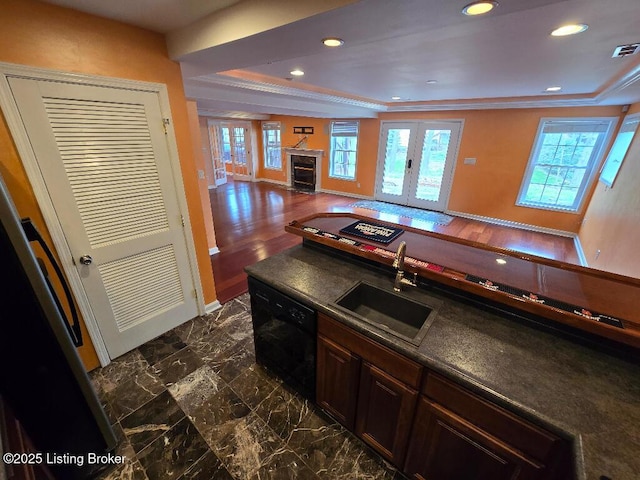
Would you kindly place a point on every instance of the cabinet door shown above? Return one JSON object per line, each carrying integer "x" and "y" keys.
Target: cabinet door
{"x": 445, "y": 446}
{"x": 385, "y": 412}
{"x": 337, "y": 381}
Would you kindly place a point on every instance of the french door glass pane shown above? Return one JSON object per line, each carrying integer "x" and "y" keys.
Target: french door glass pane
{"x": 240, "y": 151}
{"x": 395, "y": 161}
{"x": 226, "y": 145}
{"x": 432, "y": 163}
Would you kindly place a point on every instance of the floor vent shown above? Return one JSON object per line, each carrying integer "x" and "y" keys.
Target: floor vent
{"x": 626, "y": 50}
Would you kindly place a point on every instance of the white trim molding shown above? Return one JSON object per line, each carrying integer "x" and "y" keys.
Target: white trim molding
{"x": 212, "y": 307}
{"x": 580, "y": 252}
{"x": 345, "y": 194}
{"x": 510, "y": 223}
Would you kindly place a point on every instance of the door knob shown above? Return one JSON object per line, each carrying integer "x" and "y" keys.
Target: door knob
{"x": 86, "y": 260}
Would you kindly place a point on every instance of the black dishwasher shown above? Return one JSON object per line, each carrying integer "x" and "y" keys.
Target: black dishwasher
{"x": 284, "y": 333}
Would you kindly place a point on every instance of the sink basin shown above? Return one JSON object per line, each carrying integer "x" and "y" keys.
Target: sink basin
{"x": 395, "y": 313}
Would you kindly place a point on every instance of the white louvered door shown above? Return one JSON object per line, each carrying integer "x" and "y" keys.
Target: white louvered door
{"x": 105, "y": 161}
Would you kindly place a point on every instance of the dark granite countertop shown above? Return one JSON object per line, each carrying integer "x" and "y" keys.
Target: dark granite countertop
{"x": 581, "y": 394}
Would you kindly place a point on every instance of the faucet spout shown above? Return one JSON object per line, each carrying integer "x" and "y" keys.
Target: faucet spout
{"x": 398, "y": 264}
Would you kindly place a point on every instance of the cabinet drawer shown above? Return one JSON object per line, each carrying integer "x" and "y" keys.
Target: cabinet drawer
{"x": 528, "y": 438}
{"x": 384, "y": 358}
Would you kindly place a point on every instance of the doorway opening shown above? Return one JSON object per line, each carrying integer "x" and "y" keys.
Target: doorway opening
{"x": 231, "y": 150}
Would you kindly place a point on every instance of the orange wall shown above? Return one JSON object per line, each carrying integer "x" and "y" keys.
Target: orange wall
{"x": 319, "y": 140}
{"x": 500, "y": 140}
{"x": 48, "y": 36}
{"x": 612, "y": 221}
{"x": 201, "y": 160}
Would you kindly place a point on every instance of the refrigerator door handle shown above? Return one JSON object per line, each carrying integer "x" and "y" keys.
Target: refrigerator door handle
{"x": 33, "y": 235}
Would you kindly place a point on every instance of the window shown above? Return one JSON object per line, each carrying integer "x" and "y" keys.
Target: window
{"x": 272, "y": 147}
{"x": 619, "y": 150}
{"x": 563, "y": 160}
{"x": 344, "y": 144}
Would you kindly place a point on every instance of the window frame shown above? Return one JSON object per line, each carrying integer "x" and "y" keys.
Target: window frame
{"x": 591, "y": 169}
{"x": 609, "y": 171}
{"x": 332, "y": 151}
{"x": 271, "y": 127}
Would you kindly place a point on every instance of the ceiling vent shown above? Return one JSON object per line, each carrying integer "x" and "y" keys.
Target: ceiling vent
{"x": 626, "y": 50}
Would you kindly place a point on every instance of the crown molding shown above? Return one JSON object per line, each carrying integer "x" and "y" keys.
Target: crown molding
{"x": 624, "y": 81}
{"x": 275, "y": 89}
{"x": 374, "y": 108}
{"x": 494, "y": 104}
{"x": 204, "y": 112}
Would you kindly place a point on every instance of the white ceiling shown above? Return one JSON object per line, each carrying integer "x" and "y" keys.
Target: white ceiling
{"x": 504, "y": 59}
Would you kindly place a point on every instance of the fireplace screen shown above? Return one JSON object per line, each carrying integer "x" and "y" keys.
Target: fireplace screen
{"x": 303, "y": 172}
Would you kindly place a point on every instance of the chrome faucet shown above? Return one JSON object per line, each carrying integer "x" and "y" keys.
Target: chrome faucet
{"x": 398, "y": 264}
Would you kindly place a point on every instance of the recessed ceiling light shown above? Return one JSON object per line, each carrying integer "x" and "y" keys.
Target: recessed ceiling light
{"x": 553, "y": 89}
{"x": 395, "y": 98}
{"x": 432, "y": 82}
{"x": 569, "y": 30}
{"x": 297, "y": 72}
{"x": 333, "y": 42}
{"x": 479, "y": 8}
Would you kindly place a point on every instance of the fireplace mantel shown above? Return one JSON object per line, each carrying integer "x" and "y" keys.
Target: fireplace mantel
{"x": 304, "y": 151}
{"x": 317, "y": 154}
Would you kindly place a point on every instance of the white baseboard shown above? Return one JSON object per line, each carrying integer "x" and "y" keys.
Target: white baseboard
{"x": 345, "y": 194}
{"x": 323, "y": 190}
{"x": 275, "y": 182}
{"x": 212, "y": 307}
{"x": 213, "y": 251}
{"x": 509, "y": 223}
{"x": 582, "y": 258}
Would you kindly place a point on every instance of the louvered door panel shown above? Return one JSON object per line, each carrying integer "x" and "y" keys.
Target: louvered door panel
{"x": 117, "y": 193}
{"x": 142, "y": 285}
{"x": 104, "y": 156}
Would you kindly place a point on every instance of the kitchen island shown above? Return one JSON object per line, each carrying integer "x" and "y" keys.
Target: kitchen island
{"x": 588, "y": 398}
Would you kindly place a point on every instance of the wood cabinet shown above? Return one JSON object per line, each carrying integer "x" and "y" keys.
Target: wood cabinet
{"x": 368, "y": 387}
{"x": 452, "y": 423}
{"x": 445, "y": 446}
{"x": 385, "y": 412}
{"x": 337, "y": 381}
{"x": 15, "y": 439}
{"x": 431, "y": 428}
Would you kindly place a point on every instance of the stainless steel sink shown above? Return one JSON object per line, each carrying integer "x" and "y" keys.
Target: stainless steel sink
{"x": 395, "y": 313}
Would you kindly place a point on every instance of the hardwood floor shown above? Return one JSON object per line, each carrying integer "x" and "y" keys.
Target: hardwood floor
{"x": 249, "y": 220}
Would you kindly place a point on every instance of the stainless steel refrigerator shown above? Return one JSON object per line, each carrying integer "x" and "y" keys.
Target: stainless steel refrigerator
{"x": 42, "y": 377}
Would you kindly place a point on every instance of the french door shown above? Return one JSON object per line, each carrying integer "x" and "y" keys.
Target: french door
{"x": 416, "y": 162}
{"x": 236, "y": 145}
{"x": 215, "y": 142}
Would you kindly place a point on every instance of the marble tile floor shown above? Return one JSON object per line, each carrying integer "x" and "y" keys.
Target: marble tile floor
{"x": 193, "y": 405}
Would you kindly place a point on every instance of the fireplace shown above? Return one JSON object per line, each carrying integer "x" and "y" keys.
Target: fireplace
{"x": 303, "y": 168}
{"x": 303, "y": 172}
